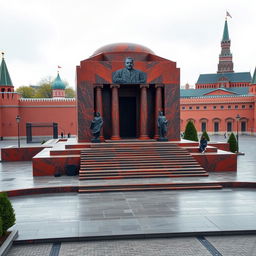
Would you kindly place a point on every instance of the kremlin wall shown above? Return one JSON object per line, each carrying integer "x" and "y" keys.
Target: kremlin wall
{"x": 220, "y": 103}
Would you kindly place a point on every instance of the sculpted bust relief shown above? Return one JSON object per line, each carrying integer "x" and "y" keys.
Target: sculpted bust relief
{"x": 129, "y": 75}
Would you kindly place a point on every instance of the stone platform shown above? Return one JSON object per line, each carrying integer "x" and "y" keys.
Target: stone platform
{"x": 130, "y": 159}
{"x": 62, "y": 153}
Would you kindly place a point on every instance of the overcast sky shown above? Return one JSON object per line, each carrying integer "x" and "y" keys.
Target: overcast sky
{"x": 39, "y": 35}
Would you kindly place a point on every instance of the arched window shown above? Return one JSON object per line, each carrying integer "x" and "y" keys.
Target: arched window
{"x": 216, "y": 126}
{"x": 243, "y": 126}
{"x": 229, "y": 126}
{"x": 203, "y": 126}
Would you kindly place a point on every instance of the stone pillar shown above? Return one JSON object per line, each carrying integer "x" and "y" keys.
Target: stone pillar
{"x": 99, "y": 105}
{"x": 158, "y": 106}
{"x": 143, "y": 112}
{"x": 115, "y": 112}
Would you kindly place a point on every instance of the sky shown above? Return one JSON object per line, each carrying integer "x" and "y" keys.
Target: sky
{"x": 37, "y": 36}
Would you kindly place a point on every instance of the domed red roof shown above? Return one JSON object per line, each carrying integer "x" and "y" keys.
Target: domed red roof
{"x": 123, "y": 47}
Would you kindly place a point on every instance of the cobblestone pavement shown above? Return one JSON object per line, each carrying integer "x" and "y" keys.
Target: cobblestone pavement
{"x": 184, "y": 246}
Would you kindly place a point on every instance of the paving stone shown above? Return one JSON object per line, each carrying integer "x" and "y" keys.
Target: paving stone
{"x": 30, "y": 250}
{"x": 234, "y": 245}
{"x": 141, "y": 247}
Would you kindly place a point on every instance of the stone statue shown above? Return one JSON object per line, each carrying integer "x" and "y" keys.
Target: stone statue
{"x": 129, "y": 75}
{"x": 96, "y": 126}
{"x": 162, "y": 126}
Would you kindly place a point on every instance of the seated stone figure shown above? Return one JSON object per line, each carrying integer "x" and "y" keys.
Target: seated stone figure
{"x": 96, "y": 126}
{"x": 129, "y": 75}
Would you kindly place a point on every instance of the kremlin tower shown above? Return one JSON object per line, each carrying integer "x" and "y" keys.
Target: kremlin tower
{"x": 5, "y": 79}
{"x": 58, "y": 88}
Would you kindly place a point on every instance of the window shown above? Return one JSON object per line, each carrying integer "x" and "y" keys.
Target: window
{"x": 236, "y": 106}
{"x": 183, "y": 107}
{"x": 203, "y": 126}
{"x": 250, "y": 106}
{"x": 216, "y": 126}
{"x": 221, "y": 107}
{"x": 229, "y": 126}
{"x": 243, "y": 126}
{"x": 229, "y": 106}
{"x": 205, "y": 107}
{"x": 197, "y": 107}
{"x": 214, "y": 107}
{"x": 243, "y": 106}
{"x": 190, "y": 107}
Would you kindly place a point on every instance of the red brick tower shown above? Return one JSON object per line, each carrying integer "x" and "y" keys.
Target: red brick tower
{"x": 225, "y": 58}
{"x": 5, "y": 79}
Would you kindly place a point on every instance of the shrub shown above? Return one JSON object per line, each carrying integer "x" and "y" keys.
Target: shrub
{"x": 190, "y": 132}
{"x": 205, "y": 134}
{"x": 1, "y": 227}
{"x": 232, "y": 143}
{"x": 6, "y": 212}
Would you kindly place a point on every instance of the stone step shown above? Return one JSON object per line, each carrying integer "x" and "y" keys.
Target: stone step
{"x": 140, "y": 163}
{"x": 147, "y": 176}
{"x": 136, "y": 165}
{"x": 106, "y": 174}
{"x": 135, "y": 154}
{"x": 174, "y": 168}
{"x": 126, "y": 188}
{"x": 134, "y": 149}
{"x": 137, "y": 144}
{"x": 170, "y": 157}
{"x": 137, "y": 160}
{"x": 164, "y": 168}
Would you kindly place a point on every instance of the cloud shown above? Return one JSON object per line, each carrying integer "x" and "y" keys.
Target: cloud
{"x": 37, "y": 36}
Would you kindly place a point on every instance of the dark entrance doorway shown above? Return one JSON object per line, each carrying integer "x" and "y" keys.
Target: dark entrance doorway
{"x": 127, "y": 108}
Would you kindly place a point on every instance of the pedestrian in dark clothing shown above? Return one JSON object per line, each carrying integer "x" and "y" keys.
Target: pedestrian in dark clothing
{"x": 202, "y": 145}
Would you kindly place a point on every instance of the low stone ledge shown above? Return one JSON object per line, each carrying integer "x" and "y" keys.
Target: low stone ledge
{"x": 6, "y": 246}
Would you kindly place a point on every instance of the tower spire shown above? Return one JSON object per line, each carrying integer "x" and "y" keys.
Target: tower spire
{"x": 225, "y": 58}
{"x": 5, "y": 79}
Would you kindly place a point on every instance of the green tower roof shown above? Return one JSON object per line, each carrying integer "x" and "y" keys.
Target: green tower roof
{"x": 5, "y": 78}
{"x": 254, "y": 77}
{"x": 58, "y": 84}
{"x": 225, "y": 36}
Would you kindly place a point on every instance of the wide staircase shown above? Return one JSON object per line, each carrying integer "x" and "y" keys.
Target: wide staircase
{"x": 137, "y": 160}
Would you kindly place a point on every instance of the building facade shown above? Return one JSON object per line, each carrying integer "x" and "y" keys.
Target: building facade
{"x": 38, "y": 111}
{"x": 221, "y": 102}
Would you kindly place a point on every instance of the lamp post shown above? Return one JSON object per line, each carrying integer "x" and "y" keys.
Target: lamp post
{"x": 237, "y": 126}
{"x": 18, "y": 122}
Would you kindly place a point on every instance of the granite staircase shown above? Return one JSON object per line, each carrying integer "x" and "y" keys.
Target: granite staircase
{"x": 137, "y": 160}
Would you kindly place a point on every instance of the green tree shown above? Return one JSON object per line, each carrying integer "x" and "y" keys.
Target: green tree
{"x": 44, "y": 91}
{"x": 6, "y": 212}
{"x": 45, "y": 80}
{"x": 190, "y": 132}
{"x": 26, "y": 91}
{"x": 205, "y": 134}
{"x": 232, "y": 143}
{"x": 70, "y": 92}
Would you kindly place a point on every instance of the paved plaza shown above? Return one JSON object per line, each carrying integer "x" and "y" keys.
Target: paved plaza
{"x": 192, "y": 213}
{"x": 184, "y": 246}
